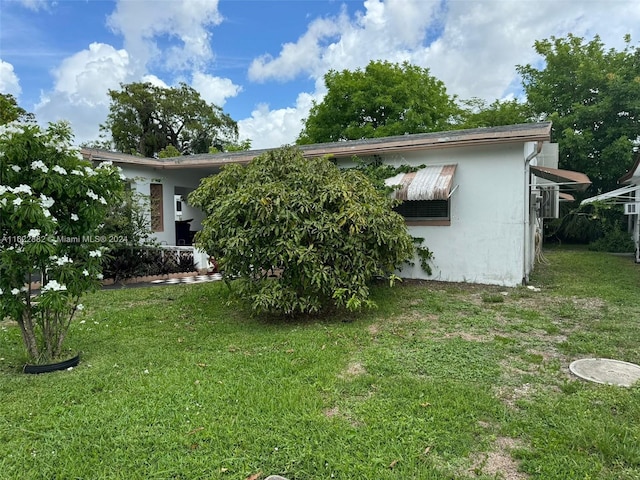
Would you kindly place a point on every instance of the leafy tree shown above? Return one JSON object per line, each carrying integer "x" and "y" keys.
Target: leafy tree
{"x": 51, "y": 206}
{"x": 592, "y": 95}
{"x": 383, "y": 99}
{"x": 235, "y": 147}
{"x": 326, "y": 232}
{"x": 476, "y": 113}
{"x": 10, "y": 111}
{"x": 146, "y": 118}
{"x": 168, "y": 152}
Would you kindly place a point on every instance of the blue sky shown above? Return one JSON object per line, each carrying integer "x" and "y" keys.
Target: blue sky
{"x": 263, "y": 61}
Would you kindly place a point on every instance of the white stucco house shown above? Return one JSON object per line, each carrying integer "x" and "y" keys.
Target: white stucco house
{"x": 478, "y": 198}
{"x": 628, "y": 195}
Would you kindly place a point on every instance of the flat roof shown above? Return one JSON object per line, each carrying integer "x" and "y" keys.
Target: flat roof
{"x": 526, "y": 132}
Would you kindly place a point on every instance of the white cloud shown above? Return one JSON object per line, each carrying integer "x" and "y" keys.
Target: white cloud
{"x": 9, "y": 82}
{"x": 36, "y": 5}
{"x": 302, "y": 56}
{"x": 142, "y": 23}
{"x": 153, "y": 80}
{"x": 473, "y": 47}
{"x": 213, "y": 89}
{"x": 80, "y": 91}
{"x": 272, "y": 128}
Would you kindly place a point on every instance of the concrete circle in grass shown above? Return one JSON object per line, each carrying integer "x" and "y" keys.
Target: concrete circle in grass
{"x": 606, "y": 371}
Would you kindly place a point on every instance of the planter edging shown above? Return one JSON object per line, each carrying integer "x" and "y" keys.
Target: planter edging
{"x": 51, "y": 367}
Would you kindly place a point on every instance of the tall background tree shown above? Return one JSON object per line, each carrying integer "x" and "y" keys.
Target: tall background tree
{"x": 145, "y": 119}
{"x": 383, "y": 99}
{"x": 476, "y": 113}
{"x": 10, "y": 110}
{"x": 592, "y": 96}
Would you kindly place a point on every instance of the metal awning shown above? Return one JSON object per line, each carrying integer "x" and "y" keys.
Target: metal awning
{"x": 566, "y": 197}
{"x": 574, "y": 180}
{"x": 623, "y": 195}
{"x": 429, "y": 183}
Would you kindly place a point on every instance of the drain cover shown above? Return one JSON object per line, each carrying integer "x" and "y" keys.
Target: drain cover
{"x": 607, "y": 371}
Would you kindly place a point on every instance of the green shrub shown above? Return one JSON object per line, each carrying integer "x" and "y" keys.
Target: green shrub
{"x": 325, "y": 232}
{"x": 614, "y": 240}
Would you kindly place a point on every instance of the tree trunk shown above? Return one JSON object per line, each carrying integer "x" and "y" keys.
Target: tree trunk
{"x": 29, "y": 336}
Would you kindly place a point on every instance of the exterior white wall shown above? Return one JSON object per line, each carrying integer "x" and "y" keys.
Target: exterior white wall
{"x": 489, "y": 235}
{"x": 171, "y": 180}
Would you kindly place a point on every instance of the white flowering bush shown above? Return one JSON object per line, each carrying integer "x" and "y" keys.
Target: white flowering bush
{"x": 52, "y": 204}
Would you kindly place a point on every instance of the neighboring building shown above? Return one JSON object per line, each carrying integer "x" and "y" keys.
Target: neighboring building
{"x": 478, "y": 198}
{"x": 629, "y": 197}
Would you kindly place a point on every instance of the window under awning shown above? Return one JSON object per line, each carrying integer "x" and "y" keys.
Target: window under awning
{"x": 429, "y": 183}
{"x": 569, "y": 178}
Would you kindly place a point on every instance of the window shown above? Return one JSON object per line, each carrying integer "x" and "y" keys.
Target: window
{"x": 157, "y": 213}
{"x": 424, "y": 209}
{"x": 425, "y": 194}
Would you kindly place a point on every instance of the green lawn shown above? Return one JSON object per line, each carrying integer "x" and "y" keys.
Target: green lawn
{"x": 443, "y": 381}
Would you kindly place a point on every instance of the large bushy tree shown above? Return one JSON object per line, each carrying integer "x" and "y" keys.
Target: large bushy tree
{"x": 592, "y": 96}
{"x": 145, "y": 119}
{"x": 381, "y": 100}
{"x": 325, "y": 232}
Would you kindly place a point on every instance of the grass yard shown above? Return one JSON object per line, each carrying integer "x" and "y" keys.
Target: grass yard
{"x": 443, "y": 381}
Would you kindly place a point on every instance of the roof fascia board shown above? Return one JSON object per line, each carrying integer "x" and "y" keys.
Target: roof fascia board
{"x": 440, "y": 140}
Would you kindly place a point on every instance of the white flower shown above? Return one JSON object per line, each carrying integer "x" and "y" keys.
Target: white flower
{"x": 33, "y": 233}
{"x": 47, "y": 202}
{"x": 80, "y": 173}
{"x": 4, "y": 189}
{"x": 99, "y": 276}
{"x": 15, "y": 291}
{"x": 0, "y": 291}
{"x": 103, "y": 201}
{"x": 105, "y": 164}
{"x": 17, "y": 201}
{"x": 15, "y": 168}
{"x": 46, "y": 213}
{"x": 39, "y": 165}
{"x": 85, "y": 272}
{"x": 63, "y": 260}
{"x": 95, "y": 253}
{"x": 80, "y": 306}
{"x": 74, "y": 217}
{"x": 59, "y": 169}
{"x": 23, "y": 189}
{"x": 3, "y": 201}
{"x": 92, "y": 195}
{"x": 122, "y": 177}
{"x": 89, "y": 171}
{"x": 53, "y": 285}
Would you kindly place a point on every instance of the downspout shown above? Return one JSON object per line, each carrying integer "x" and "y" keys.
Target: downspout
{"x": 527, "y": 208}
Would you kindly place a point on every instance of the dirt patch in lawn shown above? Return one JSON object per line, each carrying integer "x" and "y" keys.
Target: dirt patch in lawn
{"x": 354, "y": 369}
{"x": 498, "y": 463}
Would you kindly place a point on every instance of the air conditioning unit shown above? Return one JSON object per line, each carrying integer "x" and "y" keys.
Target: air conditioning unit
{"x": 631, "y": 208}
{"x": 550, "y": 203}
